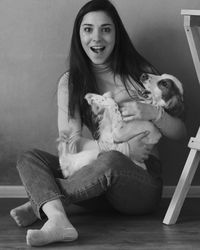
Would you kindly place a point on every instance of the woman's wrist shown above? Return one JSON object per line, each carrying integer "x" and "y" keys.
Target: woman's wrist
{"x": 159, "y": 111}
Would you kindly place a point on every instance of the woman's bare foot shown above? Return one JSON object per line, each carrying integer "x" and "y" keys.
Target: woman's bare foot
{"x": 23, "y": 215}
{"x": 58, "y": 229}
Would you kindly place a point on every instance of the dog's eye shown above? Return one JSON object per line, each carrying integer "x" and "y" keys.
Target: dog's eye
{"x": 164, "y": 84}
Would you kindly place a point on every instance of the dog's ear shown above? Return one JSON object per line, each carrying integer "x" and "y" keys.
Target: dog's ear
{"x": 175, "y": 106}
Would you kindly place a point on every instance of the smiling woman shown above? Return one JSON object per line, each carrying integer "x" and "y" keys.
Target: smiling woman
{"x": 97, "y": 34}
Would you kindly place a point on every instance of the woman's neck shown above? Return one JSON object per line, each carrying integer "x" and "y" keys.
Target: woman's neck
{"x": 101, "y": 68}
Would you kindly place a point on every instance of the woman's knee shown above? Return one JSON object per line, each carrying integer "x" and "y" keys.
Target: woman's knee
{"x": 26, "y": 157}
{"x": 113, "y": 160}
{"x": 38, "y": 161}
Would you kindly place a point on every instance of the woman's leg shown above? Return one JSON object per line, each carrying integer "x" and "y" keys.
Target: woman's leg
{"x": 112, "y": 174}
{"x": 127, "y": 187}
{"x": 24, "y": 214}
{"x": 38, "y": 171}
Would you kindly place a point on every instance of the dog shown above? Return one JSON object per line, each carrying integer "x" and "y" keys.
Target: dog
{"x": 102, "y": 106}
{"x": 164, "y": 91}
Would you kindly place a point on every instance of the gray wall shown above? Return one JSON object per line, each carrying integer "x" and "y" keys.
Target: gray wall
{"x": 34, "y": 42}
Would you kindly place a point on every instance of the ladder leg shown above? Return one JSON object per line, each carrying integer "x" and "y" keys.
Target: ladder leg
{"x": 182, "y": 187}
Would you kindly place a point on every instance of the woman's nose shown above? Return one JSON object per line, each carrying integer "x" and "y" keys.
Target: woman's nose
{"x": 96, "y": 35}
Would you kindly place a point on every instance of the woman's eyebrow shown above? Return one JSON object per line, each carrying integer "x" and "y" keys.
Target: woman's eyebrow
{"x": 87, "y": 24}
{"x": 105, "y": 24}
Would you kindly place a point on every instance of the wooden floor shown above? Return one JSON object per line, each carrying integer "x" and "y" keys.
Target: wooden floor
{"x": 106, "y": 231}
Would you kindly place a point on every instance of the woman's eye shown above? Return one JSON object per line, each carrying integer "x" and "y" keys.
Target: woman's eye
{"x": 87, "y": 29}
{"x": 106, "y": 30}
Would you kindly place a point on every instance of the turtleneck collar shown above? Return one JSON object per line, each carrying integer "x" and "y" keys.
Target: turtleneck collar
{"x": 101, "y": 68}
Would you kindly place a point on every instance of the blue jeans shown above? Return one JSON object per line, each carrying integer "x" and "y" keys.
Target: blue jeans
{"x": 112, "y": 177}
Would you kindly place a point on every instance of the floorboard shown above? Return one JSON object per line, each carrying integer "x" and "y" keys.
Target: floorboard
{"x": 108, "y": 231}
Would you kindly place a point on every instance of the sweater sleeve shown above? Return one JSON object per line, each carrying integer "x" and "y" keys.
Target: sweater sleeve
{"x": 68, "y": 127}
{"x": 170, "y": 126}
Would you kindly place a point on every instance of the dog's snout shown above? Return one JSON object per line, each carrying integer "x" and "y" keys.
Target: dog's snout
{"x": 144, "y": 77}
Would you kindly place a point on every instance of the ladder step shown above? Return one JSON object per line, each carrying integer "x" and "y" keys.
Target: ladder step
{"x": 194, "y": 143}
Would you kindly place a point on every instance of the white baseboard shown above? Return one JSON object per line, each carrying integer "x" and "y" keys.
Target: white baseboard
{"x": 12, "y": 192}
{"x": 19, "y": 192}
{"x": 194, "y": 192}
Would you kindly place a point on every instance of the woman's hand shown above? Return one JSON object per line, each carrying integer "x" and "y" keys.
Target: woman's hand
{"x": 138, "y": 148}
{"x": 137, "y": 110}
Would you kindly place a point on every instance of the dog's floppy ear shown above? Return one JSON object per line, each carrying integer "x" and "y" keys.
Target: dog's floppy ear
{"x": 175, "y": 106}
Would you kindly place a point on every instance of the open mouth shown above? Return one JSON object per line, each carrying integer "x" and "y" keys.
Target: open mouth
{"x": 145, "y": 93}
{"x": 98, "y": 49}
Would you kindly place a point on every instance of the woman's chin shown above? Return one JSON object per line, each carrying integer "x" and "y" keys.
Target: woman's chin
{"x": 98, "y": 62}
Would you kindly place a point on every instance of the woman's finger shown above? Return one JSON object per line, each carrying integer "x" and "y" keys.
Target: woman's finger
{"x": 128, "y": 118}
{"x": 142, "y": 135}
{"x": 139, "y": 136}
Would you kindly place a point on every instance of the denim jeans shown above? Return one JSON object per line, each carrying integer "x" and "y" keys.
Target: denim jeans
{"x": 112, "y": 177}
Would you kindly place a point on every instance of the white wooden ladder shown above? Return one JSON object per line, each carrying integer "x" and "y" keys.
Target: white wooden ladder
{"x": 191, "y": 26}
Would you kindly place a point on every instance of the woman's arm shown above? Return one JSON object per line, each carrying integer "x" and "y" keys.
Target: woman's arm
{"x": 171, "y": 127}
{"x": 69, "y": 128}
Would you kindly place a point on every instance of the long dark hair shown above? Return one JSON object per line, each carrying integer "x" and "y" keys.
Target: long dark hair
{"x": 124, "y": 60}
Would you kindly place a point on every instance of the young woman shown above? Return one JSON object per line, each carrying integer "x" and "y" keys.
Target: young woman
{"x": 102, "y": 58}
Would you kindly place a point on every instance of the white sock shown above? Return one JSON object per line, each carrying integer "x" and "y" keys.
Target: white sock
{"x": 52, "y": 231}
{"x": 23, "y": 215}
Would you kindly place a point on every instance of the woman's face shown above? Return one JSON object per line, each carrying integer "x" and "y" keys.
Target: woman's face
{"x": 97, "y": 35}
